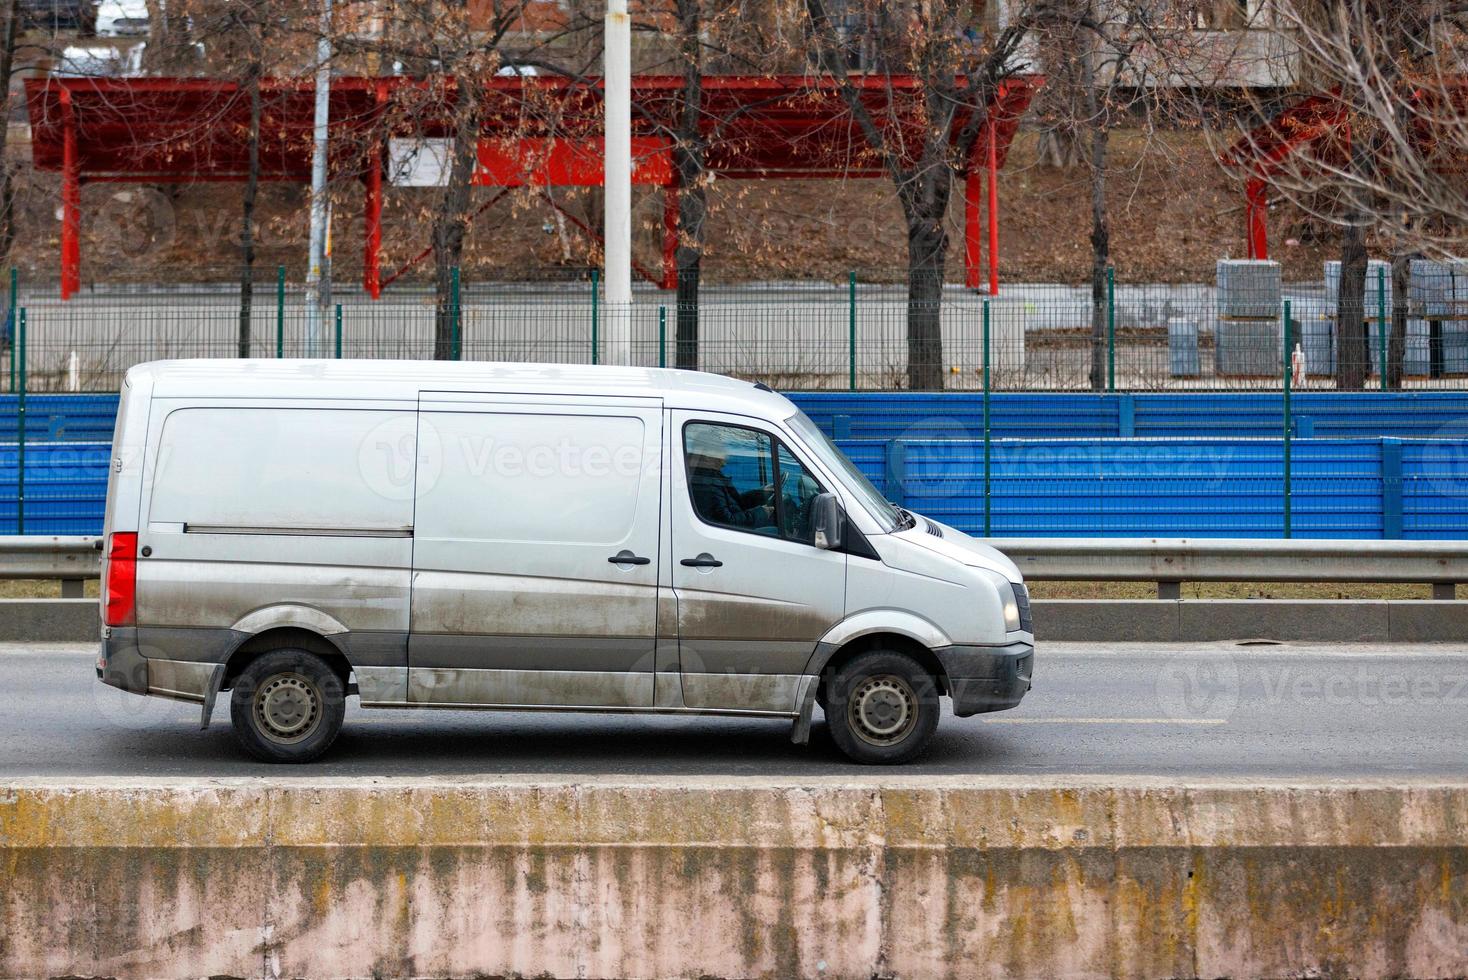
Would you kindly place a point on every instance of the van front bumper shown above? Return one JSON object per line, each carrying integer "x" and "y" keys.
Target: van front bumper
{"x": 987, "y": 678}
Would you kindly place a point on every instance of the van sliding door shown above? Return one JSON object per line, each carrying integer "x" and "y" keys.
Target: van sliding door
{"x": 536, "y": 551}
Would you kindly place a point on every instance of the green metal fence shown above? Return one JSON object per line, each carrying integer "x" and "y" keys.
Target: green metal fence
{"x": 849, "y": 335}
{"x": 992, "y": 461}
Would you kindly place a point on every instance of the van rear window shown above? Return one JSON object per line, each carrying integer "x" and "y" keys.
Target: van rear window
{"x": 285, "y": 468}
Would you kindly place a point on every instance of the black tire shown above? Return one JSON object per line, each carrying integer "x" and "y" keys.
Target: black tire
{"x": 882, "y": 708}
{"x": 287, "y": 706}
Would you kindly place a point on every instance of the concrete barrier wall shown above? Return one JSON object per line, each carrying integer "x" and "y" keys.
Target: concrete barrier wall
{"x": 1094, "y": 620}
{"x": 907, "y": 876}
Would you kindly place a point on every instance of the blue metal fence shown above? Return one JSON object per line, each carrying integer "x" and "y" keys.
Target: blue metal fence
{"x": 1342, "y": 488}
{"x": 1059, "y": 464}
{"x": 60, "y": 418}
{"x": 65, "y": 487}
{"x": 1350, "y": 488}
{"x": 1058, "y": 415}
{"x": 1014, "y": 415}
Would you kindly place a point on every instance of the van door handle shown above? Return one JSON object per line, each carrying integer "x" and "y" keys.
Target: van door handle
{"x": 704, "y": 560}
{"x": 625, "y": 557}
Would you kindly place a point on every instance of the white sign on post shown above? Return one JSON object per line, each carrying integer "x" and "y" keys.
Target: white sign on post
{"x": 418, "y": 162}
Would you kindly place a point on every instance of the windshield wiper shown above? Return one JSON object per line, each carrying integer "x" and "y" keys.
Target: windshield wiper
{"x": 908, "y": 520}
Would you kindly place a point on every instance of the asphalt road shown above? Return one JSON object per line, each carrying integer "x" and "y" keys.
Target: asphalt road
{"x": 1198, "y": 711}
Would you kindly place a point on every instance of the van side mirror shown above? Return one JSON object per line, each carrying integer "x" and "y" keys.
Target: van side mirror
{"x": 828, "y": 522}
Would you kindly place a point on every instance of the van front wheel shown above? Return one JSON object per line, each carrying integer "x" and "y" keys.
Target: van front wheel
{"x": 882, "y": 708}
{"x": 287, "y": 706}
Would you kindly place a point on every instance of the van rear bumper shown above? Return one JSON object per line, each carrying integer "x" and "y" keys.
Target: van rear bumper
{"x": 119, "y": 661}
{"x": 987, "y": 678}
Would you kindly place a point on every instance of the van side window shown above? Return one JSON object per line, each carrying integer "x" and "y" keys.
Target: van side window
{"x": 795, "y": 498}
{"x": 745, "y": 479}
{"x": 731, "y": 473}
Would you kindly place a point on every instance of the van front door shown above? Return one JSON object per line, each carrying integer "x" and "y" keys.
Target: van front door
{"x": 754, "y": 594}
{"x": 535, "y": 552}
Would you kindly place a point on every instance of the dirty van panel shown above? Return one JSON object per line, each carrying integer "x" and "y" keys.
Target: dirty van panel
{"x": 531, "y": 688}
{"x": 754, "y": 594}
{"x": 522, "y": 514}
{"x": 263, "y": 517}
{"x": 605, "y": 622}
{"x": 185, "y": 583}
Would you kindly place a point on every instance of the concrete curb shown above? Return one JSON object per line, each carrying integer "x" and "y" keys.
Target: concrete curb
{"x": 1097, "y": 620}
{"x": 727, "y": 877}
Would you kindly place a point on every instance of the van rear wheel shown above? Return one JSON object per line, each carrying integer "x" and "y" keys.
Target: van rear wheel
{"x": 287, "y": 706}
{"x": 882, "y": 708}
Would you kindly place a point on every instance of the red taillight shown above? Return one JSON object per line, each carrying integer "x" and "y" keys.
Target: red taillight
{"x": 122, "y": 578}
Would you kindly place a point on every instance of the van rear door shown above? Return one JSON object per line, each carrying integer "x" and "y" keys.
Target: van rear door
{"x": 536, "y": 551}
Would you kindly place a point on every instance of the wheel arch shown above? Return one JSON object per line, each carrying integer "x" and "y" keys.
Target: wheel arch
{"x": 286, "y": 637}
{"x": 827, "y": 662}
{"x": 872, "y": 629}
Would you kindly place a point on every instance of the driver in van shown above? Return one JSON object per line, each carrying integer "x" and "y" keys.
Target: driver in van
{"x": 714, "y": 493}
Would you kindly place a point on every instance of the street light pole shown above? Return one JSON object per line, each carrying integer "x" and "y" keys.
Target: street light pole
{"x": 318, "y": 285}
{"x": 617, "y": 178}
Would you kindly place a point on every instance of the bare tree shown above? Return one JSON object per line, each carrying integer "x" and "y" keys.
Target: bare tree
{"x": 250, "y": 19}
{"x": 454, "y": 48}
{"x": 246, "y": 40}
{"x": 1112, "y": 64}
{"x": 690, "y": 149}
{"x": 1386, "y": 155}
{"x": 728, "y": 35}
{"x": 1060, "y": 112}
{"x": 7, "y": 170}
{"x": 959, "y": 68}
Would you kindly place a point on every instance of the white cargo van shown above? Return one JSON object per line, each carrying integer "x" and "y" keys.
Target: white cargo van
{"x": 517, "y": 536}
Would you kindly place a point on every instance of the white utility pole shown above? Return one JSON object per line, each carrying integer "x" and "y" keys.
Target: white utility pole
{"x": 617, "y": 177}
{"x": 318, "y": 292}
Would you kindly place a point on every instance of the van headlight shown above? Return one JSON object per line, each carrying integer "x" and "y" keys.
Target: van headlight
{"x": 1011, "y": 610}
{"x": 1014, "y": 600}
{"x": 1022, "y": 608}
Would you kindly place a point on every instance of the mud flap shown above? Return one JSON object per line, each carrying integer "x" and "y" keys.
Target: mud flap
{"x": 216, "y": 680}
{"x": 806, "y": 699}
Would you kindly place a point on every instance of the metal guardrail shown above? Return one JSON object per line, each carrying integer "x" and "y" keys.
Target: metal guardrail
{"x": 71, "y": 559}
{"x": 1167, "y": 561}
{"x": 1171, "y": 561}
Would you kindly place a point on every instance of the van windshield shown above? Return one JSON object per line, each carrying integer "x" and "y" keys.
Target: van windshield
{"x": 856, "y": 481}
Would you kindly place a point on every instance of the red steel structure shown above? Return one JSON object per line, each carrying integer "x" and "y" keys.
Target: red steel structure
{"x": 1315, "y": 133}
{"x": 539, "y": 132}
